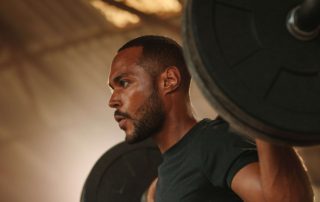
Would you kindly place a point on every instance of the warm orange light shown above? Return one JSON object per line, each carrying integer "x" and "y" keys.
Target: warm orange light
{"x": 122, "y": 18}
{"x": 160, "y": 7}
{"x": 119, "y": 18}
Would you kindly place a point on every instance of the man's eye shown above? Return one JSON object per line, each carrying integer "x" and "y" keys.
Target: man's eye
{"x": 123, "y": 83}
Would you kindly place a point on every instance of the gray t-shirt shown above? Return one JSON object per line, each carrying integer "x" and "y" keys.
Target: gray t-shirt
{"x": 201, "y": 166}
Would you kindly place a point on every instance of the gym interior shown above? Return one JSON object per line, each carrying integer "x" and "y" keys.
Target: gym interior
{"x": 54, "y": 63}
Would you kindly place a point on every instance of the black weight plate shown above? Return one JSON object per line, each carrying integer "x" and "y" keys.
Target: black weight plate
{"x": 123, "y": 173}
{"x": 256, "y": 75}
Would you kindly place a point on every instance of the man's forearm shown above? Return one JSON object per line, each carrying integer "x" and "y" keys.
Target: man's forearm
{"x": 283, "y": 177}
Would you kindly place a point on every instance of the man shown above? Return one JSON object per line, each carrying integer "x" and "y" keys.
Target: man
{"x": 203, "y": 161}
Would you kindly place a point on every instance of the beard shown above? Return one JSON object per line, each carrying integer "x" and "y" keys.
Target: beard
{"x": 151, "y": 118}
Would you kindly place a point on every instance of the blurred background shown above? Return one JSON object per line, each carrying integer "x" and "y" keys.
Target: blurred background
{"x": 54, "y": 61}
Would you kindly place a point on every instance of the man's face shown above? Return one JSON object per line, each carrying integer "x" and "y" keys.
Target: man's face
{"x": 139, "y": 110}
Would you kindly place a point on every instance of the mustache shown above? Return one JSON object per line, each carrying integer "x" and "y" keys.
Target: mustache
{"x": 123, "y": 114}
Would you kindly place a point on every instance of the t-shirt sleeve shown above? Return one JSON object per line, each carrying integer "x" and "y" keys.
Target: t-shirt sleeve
{"x": 244, "y": 159}
{"x": 224, "y": 153}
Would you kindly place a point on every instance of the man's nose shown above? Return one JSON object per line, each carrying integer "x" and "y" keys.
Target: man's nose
{"x": 114, "y": 101}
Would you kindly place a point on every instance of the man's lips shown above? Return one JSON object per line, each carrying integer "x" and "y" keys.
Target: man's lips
{"x": 118, "y": 118}
{"x": 122, "y": 123}
{"x": 121, "y": 120}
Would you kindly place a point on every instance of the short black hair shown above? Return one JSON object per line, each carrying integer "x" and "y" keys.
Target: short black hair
{"x": 158, "y": 53}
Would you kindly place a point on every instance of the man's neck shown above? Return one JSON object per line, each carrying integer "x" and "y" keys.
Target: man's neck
{"x": 174, "y": 129}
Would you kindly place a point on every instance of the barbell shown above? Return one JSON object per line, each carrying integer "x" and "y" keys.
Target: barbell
{"x": 123, "y": 173}
{"x": 258, "y": 64}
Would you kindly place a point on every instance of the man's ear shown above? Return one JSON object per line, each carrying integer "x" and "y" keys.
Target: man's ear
{"x": 170, "y": 79}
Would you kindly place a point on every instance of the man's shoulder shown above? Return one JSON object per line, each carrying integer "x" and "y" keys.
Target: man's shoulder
{"x": 213, "y": 128}
{"x": 218, "y": 134}
{"x": 209, "y": 134}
